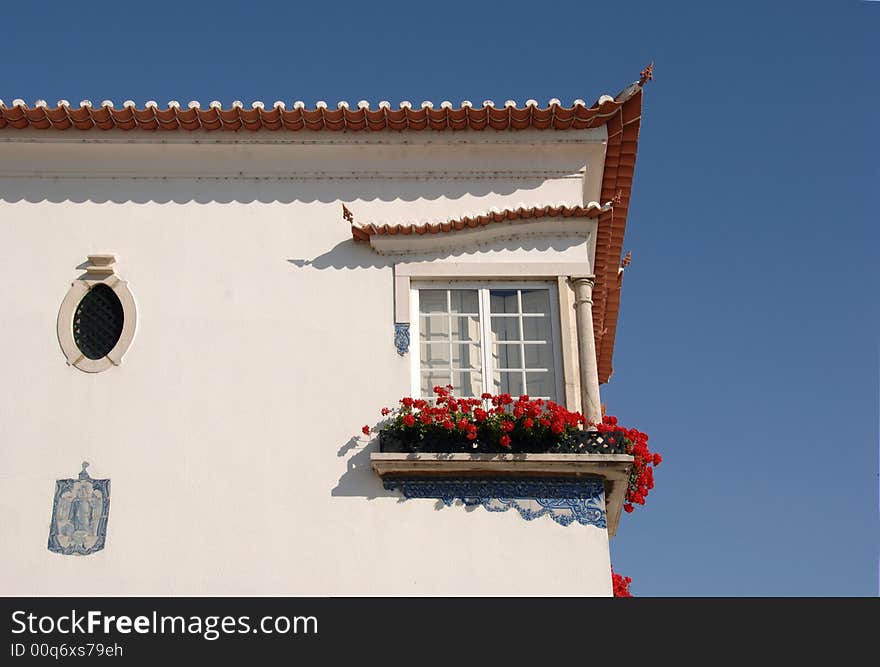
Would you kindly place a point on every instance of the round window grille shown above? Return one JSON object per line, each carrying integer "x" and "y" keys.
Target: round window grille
{"x": 97, "y": 324}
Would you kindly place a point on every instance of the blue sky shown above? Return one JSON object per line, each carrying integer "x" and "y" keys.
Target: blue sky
{"x": 748, "y": 338}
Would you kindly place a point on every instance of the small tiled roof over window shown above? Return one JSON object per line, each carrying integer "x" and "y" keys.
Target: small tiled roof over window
{"x": 364, "y": 232}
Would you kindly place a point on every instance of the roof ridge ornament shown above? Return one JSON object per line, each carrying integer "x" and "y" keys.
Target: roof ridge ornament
{"x": 347, "y": 215}
{"x": 645, "y": 75}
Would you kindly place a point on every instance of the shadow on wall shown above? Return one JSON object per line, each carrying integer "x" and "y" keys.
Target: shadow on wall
{"x": 246, "y": 190}
{"x": 359, "y": 480}
{"x": 351, "y": 255}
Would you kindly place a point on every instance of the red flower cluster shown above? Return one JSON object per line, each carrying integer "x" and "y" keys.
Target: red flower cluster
{"x": 620, "y": 585}
{"x": 641, "y": 478}
{"x": 496, "y": 416}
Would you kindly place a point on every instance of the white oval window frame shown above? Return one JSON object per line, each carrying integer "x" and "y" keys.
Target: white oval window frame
{"x": 99, "y": 271}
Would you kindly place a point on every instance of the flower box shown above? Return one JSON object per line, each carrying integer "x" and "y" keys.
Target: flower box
{"x": 395, "y": 441}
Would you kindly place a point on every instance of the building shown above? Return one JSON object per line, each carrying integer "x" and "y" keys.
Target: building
{"x": 205, "y": 305}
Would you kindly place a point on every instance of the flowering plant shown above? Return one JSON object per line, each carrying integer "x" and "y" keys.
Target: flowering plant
{"x": 501, "y": 424}
{"x": 620, "y": 585}
{"x": 641, "y": 477}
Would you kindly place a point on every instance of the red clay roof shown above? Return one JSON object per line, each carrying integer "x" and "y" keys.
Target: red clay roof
{"x": 508, "y": 116}
{"x": 365, "y": 231}
{"x": 617, "y": 178}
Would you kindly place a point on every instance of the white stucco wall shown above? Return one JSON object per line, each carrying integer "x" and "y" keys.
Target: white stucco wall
{"x": 264, "y": 342}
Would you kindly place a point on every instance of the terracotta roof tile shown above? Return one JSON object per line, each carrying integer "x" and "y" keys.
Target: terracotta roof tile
{"x": 173, "y": 117}
{"x": 364, "y": 232}
{"x": 617, "y": 185}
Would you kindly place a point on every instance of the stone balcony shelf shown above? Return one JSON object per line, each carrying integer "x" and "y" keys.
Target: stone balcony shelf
{"x": 399, "y": 463}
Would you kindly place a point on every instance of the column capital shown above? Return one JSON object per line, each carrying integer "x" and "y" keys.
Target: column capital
{"x": 583, "y": 288}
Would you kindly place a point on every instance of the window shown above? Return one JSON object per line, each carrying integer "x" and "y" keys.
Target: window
{"x": 498, "y": 338}
{"x": 98, "y": 317}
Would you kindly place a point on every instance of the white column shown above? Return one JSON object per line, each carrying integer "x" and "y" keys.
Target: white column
{"x": 583, "y": 300}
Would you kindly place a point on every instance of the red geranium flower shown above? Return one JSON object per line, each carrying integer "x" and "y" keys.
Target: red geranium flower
{"x": 620, "y": 585}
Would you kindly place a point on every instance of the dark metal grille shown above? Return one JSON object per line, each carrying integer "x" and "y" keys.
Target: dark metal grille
{"x": 97, "y": 323}
{"x": 577, "y": 442}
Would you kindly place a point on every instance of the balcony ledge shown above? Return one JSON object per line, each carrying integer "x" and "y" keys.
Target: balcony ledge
{"x": 614, "y": 469}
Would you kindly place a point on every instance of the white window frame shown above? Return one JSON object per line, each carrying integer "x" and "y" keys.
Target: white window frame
{"x": 484, "y": 287}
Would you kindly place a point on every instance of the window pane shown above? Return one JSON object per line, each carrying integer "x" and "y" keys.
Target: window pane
{"x": 507, "y": 356}
{"x": 464, "y": 301}
{"x": 541, "y": 384}
{"x": 466, "y": 356}
{"x": 433, "y": 327}
{"x": 536, "y": 328}
{"x": 430, "y": 380}
{"x": 505, "y": 328}
{"x": 536, "y": 301}
{"x": 432, "y": 300}
{"x": 468, "y": 384}
{"x": 434, "y": 355}
{"x": 508, "y": 383}
{"x": 503, "y": 301}
{"x": 466, "y": 328}
{"x": 538, "y": 356}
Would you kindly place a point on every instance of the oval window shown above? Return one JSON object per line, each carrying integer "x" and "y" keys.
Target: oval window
{"x": 97, "y": 324}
